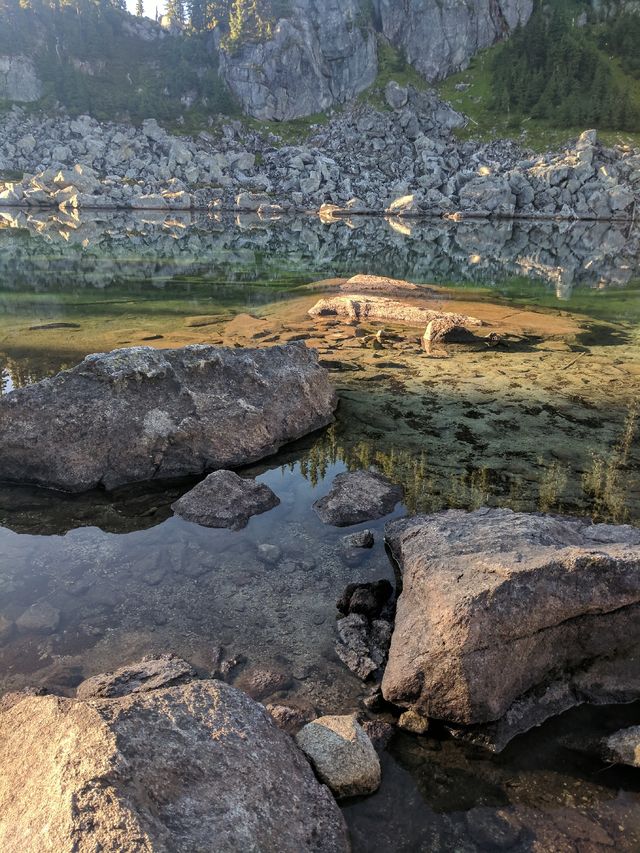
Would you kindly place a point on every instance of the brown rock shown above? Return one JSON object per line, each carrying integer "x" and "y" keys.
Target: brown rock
{"x": 362, "y": 307}
{"x": 499, "y": 608}
{"x": 262, "y": 681}
{"x": 197, "y": 767}
{"x": 147, "y": 674}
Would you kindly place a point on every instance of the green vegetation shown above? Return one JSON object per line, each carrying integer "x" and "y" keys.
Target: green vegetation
{"x": 392, "y": 65}
{"x": 92, "y": 61}
{"x": 552, "y": 79}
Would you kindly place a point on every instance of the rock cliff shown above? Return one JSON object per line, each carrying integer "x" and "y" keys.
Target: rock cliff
{"x": 439, "y": 38}
{"x": 18, "y": 80}
{"x": 323, "y": 53}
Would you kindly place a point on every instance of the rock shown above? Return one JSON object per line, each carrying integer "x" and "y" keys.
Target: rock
{"x": 491, "y": 194}
{"x": 40, "y": 618}
{"x": 167, "y": 770}
{"x": 260, "y": 681}
{"x": 292, "y": 715}
{"x": 356, "y": 497}
{"x": 147, "y": 674}
{"x": 396, "y": 95}
{"x": 368, "y": 599}
{"x": 153, "y": 201}
{"x": 19, "y": 80}
{"x": 225, "y": 500}
{"x": 412, "y": 721}
{"x": 363, "y": 644}
{"x": 362, "y": 539}
{"x": 379, "y": 733}
{"x": 623, "y": 747}
{"x": 269, "y": 553}
{"x": 446, "y": 330}
{"x": 440, "y": 38}
{"x": 500, "y": 609}
{"x": 140, "y": 414}
{"x": 360, "y": 308}
{"x": 342, "y": 755}
{"x": 382, "y": 285}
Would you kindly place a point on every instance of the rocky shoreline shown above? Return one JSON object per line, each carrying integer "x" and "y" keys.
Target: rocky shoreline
{"x": 400, "y": 162}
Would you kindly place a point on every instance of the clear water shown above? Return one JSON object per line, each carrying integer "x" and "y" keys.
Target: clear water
{"x": 547, "y": 422}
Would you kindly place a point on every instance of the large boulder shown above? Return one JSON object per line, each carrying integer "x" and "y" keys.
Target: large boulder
{"x": 514, "y": 616}
{"x": 139, "y": 414}
{"x": 623, "y": 747}
{"x": 225, "y": 500}
{"x": 196, "y": 767}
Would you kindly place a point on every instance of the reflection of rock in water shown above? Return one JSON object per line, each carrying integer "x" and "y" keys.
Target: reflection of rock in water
{"x": 99, "y": 251}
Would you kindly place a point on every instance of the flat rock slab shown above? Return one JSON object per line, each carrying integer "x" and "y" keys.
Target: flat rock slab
{"x": 196, "y": 767}
{"x": 139, "y": 414}
{"x": 360, "y": 307}
{"x": 342, "y": 755}
{"x": 356, "y": 497}
{"x": 383, "y": 286}
{"x": 499, "y": 612}
{"x": 141, "y": 677}
{"x": 225, "y": 500}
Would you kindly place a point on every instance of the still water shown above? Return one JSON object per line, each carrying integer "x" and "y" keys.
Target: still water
{"x": 546, "y": 421}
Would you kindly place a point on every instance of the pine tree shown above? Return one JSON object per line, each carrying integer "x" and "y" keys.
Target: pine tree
{"x": 139, "y": 8}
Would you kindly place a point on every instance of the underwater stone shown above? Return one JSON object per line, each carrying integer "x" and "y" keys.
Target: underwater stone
{"x": 140, "y": 414}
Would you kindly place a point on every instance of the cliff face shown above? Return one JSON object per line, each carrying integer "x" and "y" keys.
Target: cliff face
{"x": 18, "y": 79}
{"x": 439, "y": 37}
{"x": 323, "y": 54}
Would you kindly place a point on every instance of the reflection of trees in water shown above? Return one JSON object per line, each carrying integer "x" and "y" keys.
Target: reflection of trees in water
{"x": 606, "y": 492}
{"x": 26, "y": 371}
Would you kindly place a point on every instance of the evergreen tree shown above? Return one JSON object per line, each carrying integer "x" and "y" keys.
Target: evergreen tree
{"x": 139, "y": 8}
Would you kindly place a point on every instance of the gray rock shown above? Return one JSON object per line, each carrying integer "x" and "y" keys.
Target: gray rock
{"x": 19, "y": 80}
{"x": 342, "y": 755}
{"x": 623, "y": 747}
{"x": 225, "y": 500}
{"x": 167, "y": 770}
{"x": 362, "y": 539}
{"x": 500, "y": 610}
{"x": 356, "y": 497}
{"x": 40, "y": 618}
{"x": 140, "y": 414}
{"x": 147, "y": 674}
{"x": 396, "y": 95}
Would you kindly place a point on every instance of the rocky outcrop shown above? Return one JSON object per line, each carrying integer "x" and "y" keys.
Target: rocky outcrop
{"x": 506, "y": 616}
{"x": 342, "y": 755}
{"x": 182, "y": 768}
{"x": 19, "y": 80}
{"x": 356, "y": 497}
{"x": 139, "y": 414}
{"x": 320, "y": 55}
{"x": 440, "y": 38}
{"x": 225, "y": 500}
{"x": 362, "y": 307}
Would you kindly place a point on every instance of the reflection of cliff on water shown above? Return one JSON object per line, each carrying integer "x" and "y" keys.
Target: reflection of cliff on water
{"x": 49, "y": 251}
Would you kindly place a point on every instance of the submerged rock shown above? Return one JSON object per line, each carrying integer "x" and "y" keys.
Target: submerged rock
{"x": 359, "y": 308}
{"x": 362, "y": 539}
{"x": 196, "y": 767}
{"x": 141, "y": 677}
{"x": 356, "y": 497}
{"x": 342, "y": 754}
{"x": 40, "y": 618}
{"x": 140, "y": 414}
{"x": 512, "y": 617}
{"x": 225, "y": 500}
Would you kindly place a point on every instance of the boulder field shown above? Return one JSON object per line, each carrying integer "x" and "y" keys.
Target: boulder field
{"x": 140, "y": 414}
{"x": 509, "y": 618}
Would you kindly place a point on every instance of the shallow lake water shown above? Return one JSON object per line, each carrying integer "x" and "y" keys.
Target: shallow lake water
{"x": 545, "y": 421}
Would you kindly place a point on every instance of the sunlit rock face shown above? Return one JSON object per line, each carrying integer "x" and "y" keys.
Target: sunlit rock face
{"x": 506, "y": 613}
{"x": 440, "y": 38}
{"x": 319, "y": 56}
{"x": 141, "y": 414}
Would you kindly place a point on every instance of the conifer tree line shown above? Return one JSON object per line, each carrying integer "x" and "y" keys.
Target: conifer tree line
{"x": 556, "y": 70}
{"x": 240, "y": 20}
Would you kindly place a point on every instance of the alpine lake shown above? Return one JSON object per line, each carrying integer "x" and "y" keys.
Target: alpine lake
{"x": 541, "y": 417}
